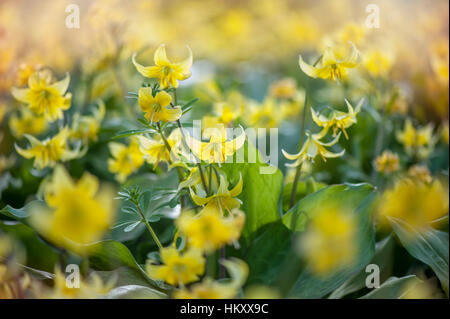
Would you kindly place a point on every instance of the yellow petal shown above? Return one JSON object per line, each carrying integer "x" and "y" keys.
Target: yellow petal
{"x": 308, "y": 69}
{"x": 160, "y": 56}
{"x": 163, "y": 98}
{"x": 232, "y": 146}
{"x": 147, "y": 71}
{"x": 186, "y": 65}
{"x": 353, "y": 60}
{"x": 236, "y": 190}
{"x": 61, "y": 86}
{"x": 328, "y": 57}
{"x": 20, "y": 94}
{"x": 291, "y": 156}
{"x": 199, "y": 200}
{"x": 170, "y": 114}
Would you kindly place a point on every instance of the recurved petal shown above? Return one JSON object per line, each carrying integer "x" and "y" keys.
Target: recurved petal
{"x": 334, "y": 141}
{"x": 308, "y": 69}
{"x": 291, "y": 156}
{"x": 236, "y": 190}
{"x": 186, "y": 64}
{"x": 160, "y": 56}
{"x": 62, "y": 86}
{"x": 20, "y": 94}
{"x": 116, "y": 148}
{"x": 328, "y": 57}
{"x": 147, "y": 71}
{"x": 199, "y": 200}
{"x": 232, "y": 146}
{"x": 329, "y": 154}
{"x": 353, "y": 59}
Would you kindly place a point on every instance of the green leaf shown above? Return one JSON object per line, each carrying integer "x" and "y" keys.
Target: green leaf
{"x": 134, "y": 292}
{"x": 39, "y": 254}
{"x": 260, "y": 194}
{"x": 20, "y": 214}
{"x": 382, "y": 258}
{"x": 393, "y": 288}
{"x": 430, "y": 246}
{"x": 110, "y": 255}
{"x": 272, "y": 256}
{"x": 133, "y": 132}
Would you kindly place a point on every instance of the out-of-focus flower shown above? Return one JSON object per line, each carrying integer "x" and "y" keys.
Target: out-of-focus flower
{"x": 264, "y": 115}
{"x": 421, "y": 173}
{"x": 353, "y": 33}
{"x": 125, "y": 159}
{"x": 378, "y": 63}
{"x": 445, "y": 132}
{"x": 27, "y": 123}
{"x": 329, "y": 243}
{"x": 178, "y": 268}
{"x": 24, "y": 72}
{"x": 223, "y": 199}
{"x": 157, "y": 108}
{"x": 338, "y": 120}
{"x": 419, "y": 142}
{"x": 313, "y": 147}
{"x": 92, "y": 288}
{"x": 229, "y": 109}
{"x": 50, "y": 151}
{"x": 167, "y": 73}
{"x": 421, "y": 290}
{"x": 209, "y": 230}
{"x": 387, "y": 163}
{"x": 261, "y": 292}
{"x": 155, "y": 150}
{"x": 44, "y": 96}
{"x": 78, "y": 213}
{"x": 414, "y": 202}
{"x": 329, "y": 67}
{"x": 440, "y": 60}
{"x": 291, "y": 109}
{"x": 218, "y": 148}
{"x": 210, "y": 289}
{"x": 86, "y": 127}
{"x": 283, "y": 89}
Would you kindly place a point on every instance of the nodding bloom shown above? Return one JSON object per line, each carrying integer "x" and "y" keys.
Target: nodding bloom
{"x": 155, "y": 150}
{"x": 338, "y": 120}
{"x": 283, "y": 89}
{"x": 329, "y": 242}
{"x": 27, "y": 123}
{"x": 86, "y": 127}
{"x": 419, "y": 142}
{"x": 44, "y": 96}
{"x": 378, "y": 63}
{"x": 126, "y": 159}
{"x": 313, "y": 147}
{"x": 329, "y": 67}
{"x": 265, "y": 115}
{"x": 210, "y": 289}
{"x": 209, "y": 230}
{"x": 387, "y": 163}
{"x": 157, "y": 108}
{"x": 167, "y": 73}
{"x": 178, "y": 268}
{"x": 222, "y": 199}
{"x": 218, "y": 148}
{"x": 79, "y": 212}
{"x": 49, "y": 152}
{"x": 414, "y": 202}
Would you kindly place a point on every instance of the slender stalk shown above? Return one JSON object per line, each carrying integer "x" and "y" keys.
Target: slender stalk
{"x": 202, "y": 176}
{"x": 294, "y": 185}
{"x": 150, "y": 229}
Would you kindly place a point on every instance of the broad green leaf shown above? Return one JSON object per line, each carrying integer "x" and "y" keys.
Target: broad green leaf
{"x": 110, "y": 255}
{"x": 272, "y": 257}
{"x": 134, "y": 292}
{"x": 382, "y": 258}
{"x": 20, "y": 214}
{"x": 39, "y": 255}
{"x": 430, "y": 246}
{"x": 393, "y": 288}
{"x": 261, "y": 192}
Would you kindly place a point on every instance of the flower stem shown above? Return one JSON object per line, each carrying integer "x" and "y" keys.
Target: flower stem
{"x": 294, "y": 185}
{"x": 150, "y": 229}
{"x": 202, "y": 176}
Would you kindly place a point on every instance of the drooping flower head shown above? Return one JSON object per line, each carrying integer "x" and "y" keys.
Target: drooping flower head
{"x": 86, "y": 127}
{"x": 167, "y": 73}
{"x": 387, "y": 162}
{"x": 44, "y": 96}
{"x": 27, "y": 123}
{"x": 155, "y": 150}
{"x": 157, "y": 108}
{"x": 125, "y": 159}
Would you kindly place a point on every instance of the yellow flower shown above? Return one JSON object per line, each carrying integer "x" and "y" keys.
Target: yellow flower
{"x": 155, "y": 151}
{"x": 284, "y": 88}
{"x": 419, "y": 141}
{"x": 93, "y": 288}
{"x": 157, "y": 108}
{"x": 378, "y": 63}
{"x": 24, "y": 72}
{"x": 421, "y": 173}
{"x": 387, "y": 162}
{"x": 223, "y": 199}
{"x": 338, "y": 120}
{"x": 126, "y": 159}
{"x": 167, "y": 73}
{"x": 178, "y": 268}
{"x": 27, "y": 123}
{"x": 329, "y": 66}
{"x": 313, "y": 147}
{"x": 352, "y": 32}
{"x": 86, "y": 127}
{"x": 44, "y": 96}
{"x": 48, "y": 152}
{"x": 329, "y": 242}
{"x": 264, "y": 115}
{"x": 210, "y": 289}
{"x": 231, "y": 108}
{"x": 414, "y": 202}
{"x": 218, "y": 148}
{"x": 78, "y": 213}
{"x": 209, "y": 230}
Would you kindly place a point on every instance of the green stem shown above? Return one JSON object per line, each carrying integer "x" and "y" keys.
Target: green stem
{"x": 150, "y": 229}
{"x": 294, "y": 185}
{"x": 202, "y": 176}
